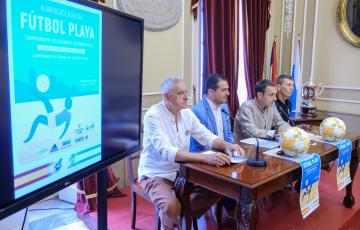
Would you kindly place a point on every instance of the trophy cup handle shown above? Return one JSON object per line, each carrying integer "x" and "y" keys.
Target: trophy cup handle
{"x": 319, "y": 90}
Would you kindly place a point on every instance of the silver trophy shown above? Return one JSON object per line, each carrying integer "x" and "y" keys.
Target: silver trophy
{"x": 310, "y": 92}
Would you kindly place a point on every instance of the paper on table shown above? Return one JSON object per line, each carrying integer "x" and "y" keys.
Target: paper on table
{"x": 237, "y": 160}
{"x": 234, "y": 159}
{"x": 262, "y": 142}
{"x": 273, "y": 153}
{"x": 319, "y": 138}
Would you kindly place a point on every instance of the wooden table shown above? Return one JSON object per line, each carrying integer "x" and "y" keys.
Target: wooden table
{"x": 297, "y": 119}
{"x": 247, "y": 184}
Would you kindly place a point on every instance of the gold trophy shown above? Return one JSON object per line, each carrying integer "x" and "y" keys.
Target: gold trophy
{"x": 310, "y": 92}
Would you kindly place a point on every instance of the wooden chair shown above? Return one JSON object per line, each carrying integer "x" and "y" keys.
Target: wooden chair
{"x": 136, "y": 189}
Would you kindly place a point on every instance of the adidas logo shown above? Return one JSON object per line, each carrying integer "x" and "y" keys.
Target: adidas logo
{"x": 54, "y": 148}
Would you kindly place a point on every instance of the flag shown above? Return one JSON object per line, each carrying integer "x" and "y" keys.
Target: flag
{"x": 296, "y": 74}
{"x": 273, "y": 63}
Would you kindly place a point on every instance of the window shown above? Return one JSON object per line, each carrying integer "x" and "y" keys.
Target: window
{"x": 242, "y": 89}
{"x": 199, "y": 54}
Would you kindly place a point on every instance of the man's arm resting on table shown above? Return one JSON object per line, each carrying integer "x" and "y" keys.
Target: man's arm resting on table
{"x": 217, "y": 159}
{"x": 227, "y": 147}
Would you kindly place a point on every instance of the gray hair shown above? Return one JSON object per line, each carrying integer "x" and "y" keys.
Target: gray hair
{"x": 168, "y": 84}
{"x": 282, "y": 78}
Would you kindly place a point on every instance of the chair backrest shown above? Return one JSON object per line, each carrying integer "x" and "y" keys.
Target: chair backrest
{"x": 130, "y": 159}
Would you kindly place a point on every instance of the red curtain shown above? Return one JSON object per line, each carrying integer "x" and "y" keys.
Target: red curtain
{"x": 256, "y": 19}
{"x": 87, "y": 192}
{"x": 221, "y": 43}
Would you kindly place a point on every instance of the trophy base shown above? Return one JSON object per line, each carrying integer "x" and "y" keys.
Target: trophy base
{"x": 307, "y": 114}
{"x": 308, "y": 111}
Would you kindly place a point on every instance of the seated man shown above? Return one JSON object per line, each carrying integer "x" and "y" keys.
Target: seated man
{"x": 167, "y": 129}
{"x": 259, "y": 117}
{"x": 213, "y": 112}
{"x": 285, "y": 86}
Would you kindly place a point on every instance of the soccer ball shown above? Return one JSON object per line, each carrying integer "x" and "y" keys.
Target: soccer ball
{"x": 294, "y": 141}
{"x": 332, "y": 129}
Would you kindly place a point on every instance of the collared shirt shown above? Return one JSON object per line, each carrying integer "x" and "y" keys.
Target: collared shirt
{"x": 251, "y": 118}
{"x": 162, "y": 140}
{"x": 283, "y": 108}
{"x": 218, "y": 118}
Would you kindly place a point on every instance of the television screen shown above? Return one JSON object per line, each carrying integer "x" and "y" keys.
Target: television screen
{"x": 70, "y": 92}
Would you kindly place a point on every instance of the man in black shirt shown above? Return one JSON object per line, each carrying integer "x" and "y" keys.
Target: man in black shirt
{"x": 285, "y": 86}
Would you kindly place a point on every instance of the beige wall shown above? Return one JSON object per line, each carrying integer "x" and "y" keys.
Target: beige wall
{"x": 303, "y": 26}
{"x": 333, "y": 61}
{"x": 336, "y": 62}
{"x": 166, "y": 53}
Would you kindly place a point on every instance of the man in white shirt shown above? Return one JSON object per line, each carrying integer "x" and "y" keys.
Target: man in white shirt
{"x": 168, "y": 126}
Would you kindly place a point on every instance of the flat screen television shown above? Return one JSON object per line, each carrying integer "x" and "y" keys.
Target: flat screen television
{"x": 70, "y": 93}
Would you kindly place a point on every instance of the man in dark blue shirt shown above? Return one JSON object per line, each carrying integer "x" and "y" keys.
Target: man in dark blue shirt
{"x": 285, "y": 86}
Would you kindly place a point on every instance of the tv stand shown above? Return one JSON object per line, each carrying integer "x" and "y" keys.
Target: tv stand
{"x": 102, "y": 199}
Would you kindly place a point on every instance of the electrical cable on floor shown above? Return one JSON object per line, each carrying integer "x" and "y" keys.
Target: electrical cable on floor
{"x": 53, "y": 199}
{"x": 44, "y": 209}
{"x": 23, "y": 224}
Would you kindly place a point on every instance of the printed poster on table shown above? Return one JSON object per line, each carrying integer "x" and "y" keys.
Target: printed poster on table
{"x": 309, "y": 194}
{"x": 343, "y": 170}
{"x": 343, "y": 164}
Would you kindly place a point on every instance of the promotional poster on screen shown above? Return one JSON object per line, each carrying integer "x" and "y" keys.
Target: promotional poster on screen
{"x": 310, "y": 177}
{"x": 54, "y": 53}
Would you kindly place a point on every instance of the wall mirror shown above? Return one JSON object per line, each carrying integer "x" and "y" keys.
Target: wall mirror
{"x": 348, "y": 18}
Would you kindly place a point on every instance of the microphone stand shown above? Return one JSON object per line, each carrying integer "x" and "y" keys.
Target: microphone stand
{"x": 228, "y": 114}
{"x": 287, "y": 116}
{"x": 256, "y": 162}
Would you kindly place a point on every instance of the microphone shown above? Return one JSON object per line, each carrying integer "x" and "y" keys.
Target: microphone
{"x": 286, "y": 115}
{"x": 256, "y": 162}
{"x": 224, "y": 111}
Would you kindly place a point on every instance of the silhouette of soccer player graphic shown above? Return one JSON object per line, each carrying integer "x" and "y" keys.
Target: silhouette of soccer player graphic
{"x": 342, "y": 168}
{"x": 41, "y": 87}
{"x": 307, "y": 192}
{"x": 64, "y": 116}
